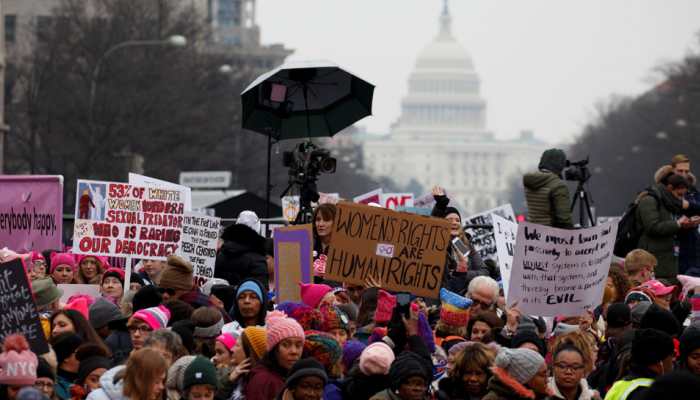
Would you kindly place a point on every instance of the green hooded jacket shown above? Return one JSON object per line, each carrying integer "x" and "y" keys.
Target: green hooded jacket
{"x": 659, "y": 228}
{"x": 546, "y": 194}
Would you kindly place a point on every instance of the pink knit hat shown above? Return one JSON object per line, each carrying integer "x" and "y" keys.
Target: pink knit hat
{"x": 155, "y": 317}
{"x": 36, "y": 256}
{"x": 62, "y": 259}
{"x": 376, "y": 359}
{"x": 17, "y": 362}
{"x": 385, "y": 306}
{"x": 312, "y": 293}
{"x": 79, "y": 304}
{"x": 280, "y": 327}
{"x": 227, "y": 339}
{"x": 102, "y": 263}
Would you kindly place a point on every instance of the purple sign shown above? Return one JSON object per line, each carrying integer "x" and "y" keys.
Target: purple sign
{"x": 31, "y": 212}
{"x": 293, "y": 260}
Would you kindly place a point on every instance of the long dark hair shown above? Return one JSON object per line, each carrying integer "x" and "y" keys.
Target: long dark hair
{"x": 82, "y": 327}
{"x": 270, "y": 362}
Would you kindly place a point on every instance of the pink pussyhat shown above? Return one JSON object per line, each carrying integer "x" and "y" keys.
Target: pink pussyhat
{"x": 80, "y": 304}
{"x": 312, "y": 293}
{"x": 62, "y": 259}
{"x": 36, "y": 256}
{"x": 228, "y": 340}
{"x": 385, "y": 306}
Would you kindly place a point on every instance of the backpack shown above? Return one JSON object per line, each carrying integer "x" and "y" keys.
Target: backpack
{"x": 629, "y": 230}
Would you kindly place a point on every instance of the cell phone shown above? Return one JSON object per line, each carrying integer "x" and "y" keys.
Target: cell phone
{"x": 403, "y": 303}
{"x": 461, "y": 247}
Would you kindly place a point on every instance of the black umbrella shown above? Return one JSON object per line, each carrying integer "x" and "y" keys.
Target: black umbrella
{"x": 304, "y": 99}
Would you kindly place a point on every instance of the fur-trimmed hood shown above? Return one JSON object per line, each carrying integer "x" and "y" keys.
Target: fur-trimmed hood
{"x": 667, "y": 169}
{"x": 586, "y": 392}
{"x": 245, "y": 237}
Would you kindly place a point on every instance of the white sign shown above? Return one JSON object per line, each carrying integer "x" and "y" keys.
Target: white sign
{"x": 290, "y": 207}
{"x": 504, "y": 232}
{"x": 142, "y": 180}
{"x": 328, "y": 198}
{"x": 206, "y": 179}
{"x": 369, "y": 197}
{"x": 198, "y": 244}
{"x": 558, "y": 271}
{"x": 392, "y": 201}
{"x": 71, "y": 289}
{"x": 426, "y": 201}
{"x": 482, "y": 238}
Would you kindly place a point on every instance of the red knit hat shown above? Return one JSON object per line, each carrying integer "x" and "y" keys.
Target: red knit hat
{"x": 385, "y": 306}
{"x": 279, "y": 327}
{"x": 17, "y": 362}
{"x": 312, "y": 293}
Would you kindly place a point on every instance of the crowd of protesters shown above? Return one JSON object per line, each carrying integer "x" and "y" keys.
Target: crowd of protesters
{"x": 162, "y": 337}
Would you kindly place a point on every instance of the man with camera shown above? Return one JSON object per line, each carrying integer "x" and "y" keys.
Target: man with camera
{"x": 546, "y": 193}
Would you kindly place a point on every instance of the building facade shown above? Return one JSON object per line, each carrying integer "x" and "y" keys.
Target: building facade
{"x": 441, "y": 137}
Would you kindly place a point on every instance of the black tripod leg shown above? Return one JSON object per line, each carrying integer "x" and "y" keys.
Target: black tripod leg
{"x": 588, "y": 208}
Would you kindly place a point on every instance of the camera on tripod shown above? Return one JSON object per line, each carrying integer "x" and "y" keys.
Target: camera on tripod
{"x": 577, "y": 171}
{"x": 307, "y": 161}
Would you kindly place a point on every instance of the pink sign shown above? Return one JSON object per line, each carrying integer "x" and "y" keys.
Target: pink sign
{"x": 31, "y": 212}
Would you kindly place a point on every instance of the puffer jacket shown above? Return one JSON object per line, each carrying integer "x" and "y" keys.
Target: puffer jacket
{"x": 547, "y": 199}
{"x": 242, "y": 256}
{"x": 110, "y": 389}
{"x": 503, "y": 387}
{"x": 657, "y": 222}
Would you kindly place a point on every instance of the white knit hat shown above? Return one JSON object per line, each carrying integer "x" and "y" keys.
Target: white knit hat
{"x": 521, "y": 364}
{"x": 249, "y": 219}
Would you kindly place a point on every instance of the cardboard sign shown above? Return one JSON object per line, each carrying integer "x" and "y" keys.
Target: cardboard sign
{"x": 290, "y": 207}
{"x": 200, "y": 234}
{"x": 369, "y": 197}
{"x": 31, "y": 212}
{"x": 142, "y": 180}
{"x": 482, "y": 238}
{"x": 404, "y": 252}
{"x": 71, "y": 289}
{"x": 504, "y": 232}
{"x": 293, "y": 260}
{"x": 118, "y": 219}
{"x": 560, "y": 272}
{"x": 394, "y": 200}
{"x": 19, "y": 313}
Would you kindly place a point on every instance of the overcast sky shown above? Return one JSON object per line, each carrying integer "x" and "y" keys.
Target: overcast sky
{"x": 543, "y": 63}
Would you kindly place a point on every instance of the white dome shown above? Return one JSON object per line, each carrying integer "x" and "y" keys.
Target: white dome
{"x": 445, "y": 53}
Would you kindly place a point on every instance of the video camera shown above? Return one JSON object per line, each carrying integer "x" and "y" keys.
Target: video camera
{"x": 577, "y": 171}
{"x": 309, "y": 160}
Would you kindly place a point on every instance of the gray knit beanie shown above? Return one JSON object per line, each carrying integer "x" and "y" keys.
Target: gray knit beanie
{"x": 521, "y": 364}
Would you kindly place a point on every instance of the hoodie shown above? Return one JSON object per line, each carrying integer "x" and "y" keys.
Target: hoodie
{"x": 242, "y": 256}
{"x": 547, "y": 199}
{"x": 110, "y": 389}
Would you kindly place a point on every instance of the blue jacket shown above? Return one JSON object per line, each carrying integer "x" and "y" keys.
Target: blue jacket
{"x": 689, "y": 239}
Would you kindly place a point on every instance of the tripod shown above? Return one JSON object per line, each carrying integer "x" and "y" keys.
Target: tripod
{"x": 582, "y": 196}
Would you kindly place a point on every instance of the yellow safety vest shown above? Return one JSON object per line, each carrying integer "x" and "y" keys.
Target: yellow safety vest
{"x": 621, "y": 389}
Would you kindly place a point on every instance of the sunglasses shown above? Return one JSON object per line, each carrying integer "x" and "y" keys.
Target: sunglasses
{"x": 169, "y": 291}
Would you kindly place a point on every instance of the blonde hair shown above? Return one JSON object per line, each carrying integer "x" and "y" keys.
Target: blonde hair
{"x": 143, "y": 368}
{"x": 638, "y": 259}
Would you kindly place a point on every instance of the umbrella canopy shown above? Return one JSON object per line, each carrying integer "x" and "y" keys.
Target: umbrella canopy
{"x": 305, "y": 99}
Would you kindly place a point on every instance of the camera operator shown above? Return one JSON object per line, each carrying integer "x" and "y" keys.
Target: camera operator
{"x": 546, "y": 193}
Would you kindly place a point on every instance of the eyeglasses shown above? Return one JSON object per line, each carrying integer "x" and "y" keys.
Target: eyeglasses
{"x": 169, "y": 291}
{"x": 141, "y": 328}
{"x": 565, "y": 367}
{"x": 481, "y": 304}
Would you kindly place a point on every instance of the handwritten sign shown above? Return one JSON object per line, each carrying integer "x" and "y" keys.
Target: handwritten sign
{"x": 504, "y": 232}
{"x": 394, "y": 200}
{"x": 482, "y": 238}
{"x": 142, "y": 180}
{"x": 118, "y": 219}
{"x": 404, "y": 252}
{"x": 293, "y": 260}
{"x": 369, "y": 197}
{"x": 31, "y": 212}
{"x": 560, "y": 272}
{"x": 19, "y": 313}
{"x": 198, "y": 244}
{"x": 290, "y": 207}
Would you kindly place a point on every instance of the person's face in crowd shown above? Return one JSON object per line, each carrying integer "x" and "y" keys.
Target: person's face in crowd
{"x": 474, "y": 381}
{"x": 111, "y": 286}
{"x": 139, "y": 331}
{"x": 153, "y": 268}
{"x": 679, "y": 192}
{"x": 455, "y": 224}
{"x": 89, "y": 267}
{"x": 479, "y": 330}
{"x": 610, "y": 289}
{"x": 222, "y": 357}
{"x": 682, "y": 169}
{"x": 413, "y": 388}
{"x": 237, "y": 353}
{"x": 289, "y": 351}
{"x": 62, "y": 324}
{"x": 329, "y": 299}
{"x": 170, "y": 293}
{"x": 341, "y": 335}
{"x": 482, "y": 299}
{"x": 70, "y": 364}
{"x": 342, "y": 297}
{"x": 62, "y": 274}
{"x": 694, "y": 361}
{"x": 355, "y": 293}
{"x": 568, "y": 369}
{"x": 167, "y": 354}
{"x": 134, "y": 286}
{"x": 45, "y": 385}
{"x": 308, "y": 388}
{"x": 529, "y": 345}
{"x": 249, "y": 305}
{"x": 92, "y": 381}
{"x": 664, "y": 301}
{"x": 324, "y": 227}
{"x": 157, "y": 387}
{"x": 538, "y": 383}
{"x": 201, "y": 392}
{"x": 38, "y": 270}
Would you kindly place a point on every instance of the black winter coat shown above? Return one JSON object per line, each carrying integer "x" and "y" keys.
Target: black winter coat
{"x": 242, "y": 256}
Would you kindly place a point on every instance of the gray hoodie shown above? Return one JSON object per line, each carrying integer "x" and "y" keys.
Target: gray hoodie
{"x": 110, "y": 390}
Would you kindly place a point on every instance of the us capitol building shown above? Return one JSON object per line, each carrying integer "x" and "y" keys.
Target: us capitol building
{"x": 441, "y": 136}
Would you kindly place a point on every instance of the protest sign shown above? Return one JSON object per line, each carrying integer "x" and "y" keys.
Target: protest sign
{"x": 404, "y": 252}
{"x": 290, "y": 207}
{"x": 118, "y": 219}
{"x": 200, "y": 234}
{"x": 560, "y": 272}
{"x": 427, "y": 200}
{"x": 19, "y": 313}
{"x": 71, "y": 289}
{"x": 481, "y": 238}
{"x": 328, "y": 198}
{"x": 293, "y": 261}
{"x": 394, "y": 200}
{"x": 504, "y": 232}
{"x": 369, "y": 197}
{"x": 31, "y": 212}
{"x": 142, "y": 180}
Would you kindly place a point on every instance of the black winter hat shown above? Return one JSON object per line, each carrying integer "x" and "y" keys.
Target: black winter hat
{"x": 146, "y": 297}
{"x": 65, "y": 344}
{"x": 185, "y": 328}
{"x": 619, "y": 315}
{"x": 407, "y": 365}
{"x": 528, "y": 336}
{"x": 452, "y": 210}
{"x": 90, "y": 364}
{"x": 553, "y": 160}
{"x": 225, "y": 293}
{"x": 661, "y": 319}
{"x": 303, "y": 368}
{"x": 651, "y": 346}
{"x": 689, "y": 341}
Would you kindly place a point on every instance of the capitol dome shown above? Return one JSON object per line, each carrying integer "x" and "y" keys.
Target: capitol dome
{"x": 444, "y": 52}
